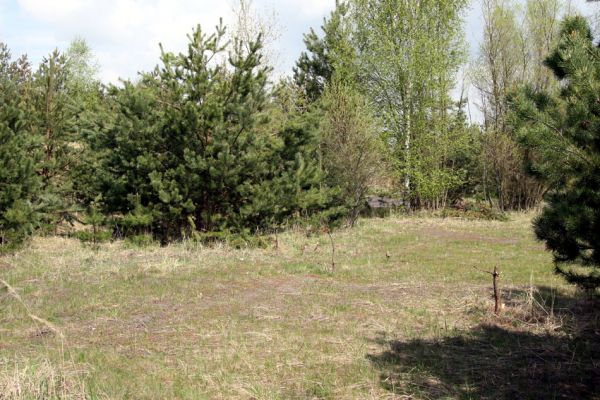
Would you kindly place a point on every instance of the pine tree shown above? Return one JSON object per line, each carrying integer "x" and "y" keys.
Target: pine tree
{"x": 53, "y": 121}
{"x": 19, "y": 183}
{"x": 564, "y": 131}
{"x": 315, "y": 67}
{"x": 190, "y": 146}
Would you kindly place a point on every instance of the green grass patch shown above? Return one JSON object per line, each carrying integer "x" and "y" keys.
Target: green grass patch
{"x": 406, "y": 312}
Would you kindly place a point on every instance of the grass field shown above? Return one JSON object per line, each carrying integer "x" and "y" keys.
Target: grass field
{"x": 194, "y": 322}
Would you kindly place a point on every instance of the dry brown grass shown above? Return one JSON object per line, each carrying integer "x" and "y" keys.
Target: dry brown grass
{"x": 189, "y": 321}
{"x": 41, "y": 379}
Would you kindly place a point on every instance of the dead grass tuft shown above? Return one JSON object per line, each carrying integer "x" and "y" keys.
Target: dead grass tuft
{"x": 48, "y": 325}
{"x": 41, "y": 380}
{"x": 195, "y": 321}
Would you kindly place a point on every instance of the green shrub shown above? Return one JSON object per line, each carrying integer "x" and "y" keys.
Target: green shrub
{"x": 475, "y": 210}
{"x": 91, "y": 237}
{"x": 232, "y": 239}
{"x": 142, "y": 240}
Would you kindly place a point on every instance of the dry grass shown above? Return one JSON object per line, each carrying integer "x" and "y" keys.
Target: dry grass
{"x": 188, "y": 321}
{"x": 41, "y": 380}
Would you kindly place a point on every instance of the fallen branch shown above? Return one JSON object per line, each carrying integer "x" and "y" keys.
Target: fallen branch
{"x": 13, "y": 293}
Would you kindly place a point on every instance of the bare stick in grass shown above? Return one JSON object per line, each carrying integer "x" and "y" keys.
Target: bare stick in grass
{"x": 332, "y": 251}
{"x": 495, "y": 274}
{"x": 13, "y": 293}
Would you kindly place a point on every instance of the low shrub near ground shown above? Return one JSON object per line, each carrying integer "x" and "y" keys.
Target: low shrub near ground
{"x": 89, "y": 237}
{"x": 474, "y": 210}
{"x": 232, "y": 239}
{"x": 143, "y": 240}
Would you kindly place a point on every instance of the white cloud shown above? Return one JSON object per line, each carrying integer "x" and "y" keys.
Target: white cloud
{"x": 125, "y": 33}
{"x": 52, "y": 10}
{"x": 312, "y": 8}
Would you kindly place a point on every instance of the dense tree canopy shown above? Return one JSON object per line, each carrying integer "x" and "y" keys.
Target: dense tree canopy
{"x": 19, "y": 183}
{"x": 315, "y": 67}
{"x": 188, "y": 147}
{"x": 211, "y": 143}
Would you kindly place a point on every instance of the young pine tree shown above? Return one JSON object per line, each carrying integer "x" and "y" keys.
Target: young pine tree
{"x": 53, "y": 122}
{"x": 188, "y": 147}
{"x": 19, "y": 183}
{"x": 564, "y": 132}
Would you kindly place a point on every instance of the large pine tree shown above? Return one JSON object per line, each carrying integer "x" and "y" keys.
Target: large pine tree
{"x": 315, "y": 66}
{"x": 19, "y": 182}
{"x": 53, "y": 120}
{"x": 564, "y": 133}
{"x": 187, "y": 147}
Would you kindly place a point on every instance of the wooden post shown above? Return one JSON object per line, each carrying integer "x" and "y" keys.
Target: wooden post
{"x": 495, "y": 276}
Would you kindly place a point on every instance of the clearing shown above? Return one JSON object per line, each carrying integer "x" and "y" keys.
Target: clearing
{"x": 194, "y": 322}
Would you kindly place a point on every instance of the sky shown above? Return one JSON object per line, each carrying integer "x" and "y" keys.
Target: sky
{"x": 124, "y": 34}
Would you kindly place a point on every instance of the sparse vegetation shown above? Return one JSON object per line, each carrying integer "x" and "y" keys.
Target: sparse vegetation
{"x": 195, "y": 232}
{"x": 404, "y": 314}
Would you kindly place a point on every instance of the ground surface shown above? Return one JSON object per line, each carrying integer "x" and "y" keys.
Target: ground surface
{"x": 191, "y": 322}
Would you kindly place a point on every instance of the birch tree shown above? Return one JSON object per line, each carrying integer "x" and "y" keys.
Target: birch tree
{"x": 542, "y": 19}
{"x": 409, "y": 54}
{"x": 515, "y": 43}
{"x": 250, "y": 24}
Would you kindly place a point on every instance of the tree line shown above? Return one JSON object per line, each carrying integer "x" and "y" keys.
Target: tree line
{"x": 209, "y": 142}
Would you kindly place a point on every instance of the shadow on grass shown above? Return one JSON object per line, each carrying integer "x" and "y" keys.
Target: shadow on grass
{"x": 500, "y": 360}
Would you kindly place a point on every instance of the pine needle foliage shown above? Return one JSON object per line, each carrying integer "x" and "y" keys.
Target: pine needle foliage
{"x": 564, "y": 132}
{"x": 19, "y": 183}
{"x": 186, "y": 149}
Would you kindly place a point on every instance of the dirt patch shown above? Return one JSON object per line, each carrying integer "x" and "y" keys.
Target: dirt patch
{"x": 164, "y": 315}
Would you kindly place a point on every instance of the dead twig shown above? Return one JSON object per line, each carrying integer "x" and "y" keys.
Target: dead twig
{"x": 13, "y": 293}
{"x": 495, "y": 274}
{"x": 332, "y": 251}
